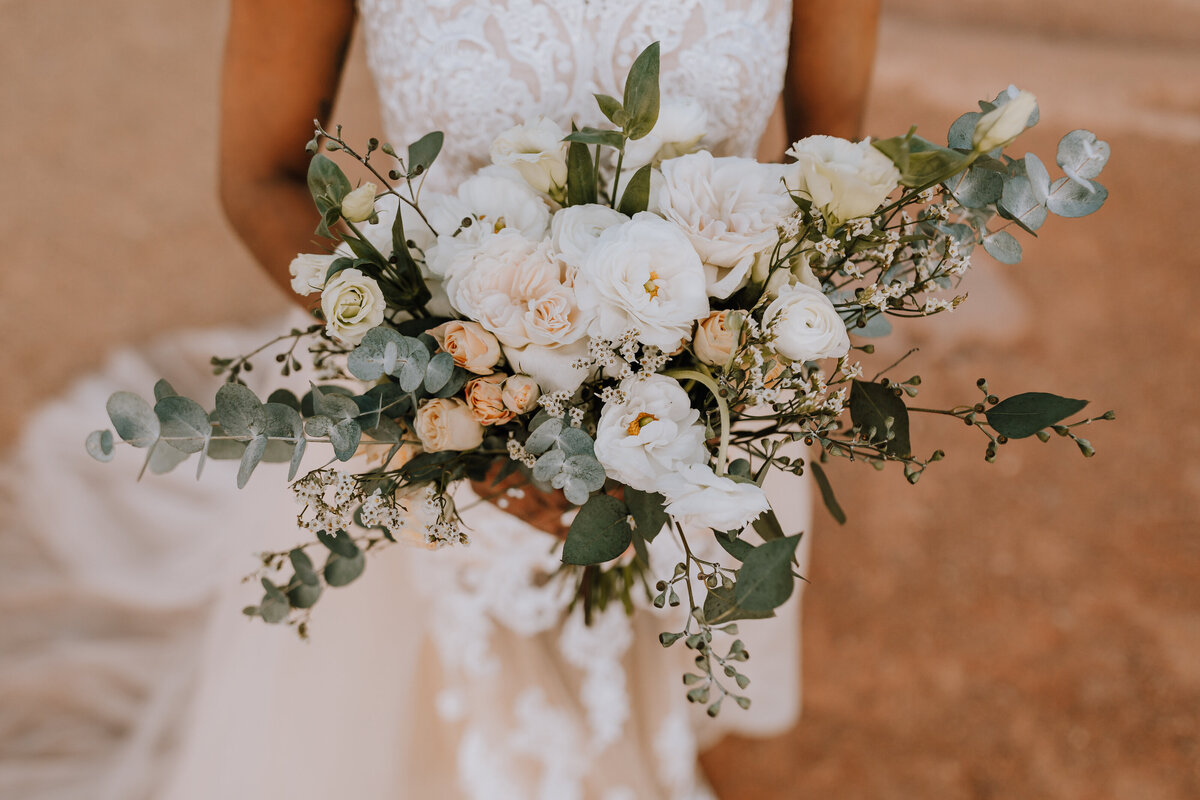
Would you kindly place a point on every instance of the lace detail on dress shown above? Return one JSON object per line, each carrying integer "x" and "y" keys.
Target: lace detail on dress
{"x": 473, "y": 68}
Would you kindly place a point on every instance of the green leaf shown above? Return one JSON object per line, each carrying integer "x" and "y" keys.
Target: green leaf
{"x": 326, "y": 182}
{"x": 1038, "y": 175}
{"x": 581, "y": 177}
{"x": 239, "y": 410}
{"x": 765, "y": 580}
{"x": 720, "y": 606}
{"x": 1019, "y": 203}
{"x": 962, "y": 131}
{"x": 286, "y": 429}
{"x": 100, "y": 445}
{"x": 163, "y": 389}
{"x": 544, "y": 436}
{"x": 184, "y": 422}
{"x": 1003, "y": 247}
{"x": 611, "y": 107}
{"x": 636, "y": 197}
{"x": 164, "y": 458}
{"x": 871, "y": 405}
{"x": 549, "y": 464}
{"x": 304, "y": 595}
{"x": 423, "y": 152}
{"x": 614, "y": 139}
{"x": 1025, "y": 414}
{"x": 920, "y": 160}
{"x": 580, "y": 476}
{"x": 251, "y": 456}
{"x": 303, "y": 566}
{"x": 648, "y": 512}
{"x": 976, "y": 187}
{"x": 730, "y": 542}
{"x": 767, "y": 526}
{"x": 600, "y": 532}
{"x": 372, "y": 404}
{"x": 831, "y": 503}
{"x": 1069, "y": 198}
{"x": 338, "y": 542}
{"x": 334, "y": 402}
{"x": 284, "y": 397}
{"x": 1081, "y": 155}
{"x": 133, "y": 419}
{"x": 340, "y": 571}
{"x": 345, "y": 437}
{"x": 274, "y": 607}
{"x": 438, "y": 372}
{"x": 641, "y": 93}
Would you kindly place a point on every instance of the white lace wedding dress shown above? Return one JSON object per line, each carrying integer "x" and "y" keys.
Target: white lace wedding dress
{"x": 126, "y": 669}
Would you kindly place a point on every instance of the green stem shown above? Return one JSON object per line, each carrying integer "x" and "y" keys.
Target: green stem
{"x": 722, "y": 409}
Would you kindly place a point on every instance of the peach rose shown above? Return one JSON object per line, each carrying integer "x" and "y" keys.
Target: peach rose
{"x": 485, "y": 396}
{"x": 471, "y": 347}
{"x": 446, "y": 423}
{"x": 717, "y": 337}
{"x": 521, "y": 394}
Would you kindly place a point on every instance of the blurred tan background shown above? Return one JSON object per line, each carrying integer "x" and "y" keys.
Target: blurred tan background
{"x": 1024, "y": 629}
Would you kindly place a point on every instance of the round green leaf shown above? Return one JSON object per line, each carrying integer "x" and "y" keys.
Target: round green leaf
{"x": 600, "y": 532}
{"x": 340, "y": 571}
{"x": 133, "y": 419}
{"x": 100, "y": 445}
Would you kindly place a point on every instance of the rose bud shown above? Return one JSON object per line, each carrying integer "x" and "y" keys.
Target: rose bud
{"x": 446, "y": 423}
{"x": 485, "y": 396}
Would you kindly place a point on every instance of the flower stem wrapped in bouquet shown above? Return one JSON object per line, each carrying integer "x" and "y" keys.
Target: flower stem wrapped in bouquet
{"x": 623, "y": 317}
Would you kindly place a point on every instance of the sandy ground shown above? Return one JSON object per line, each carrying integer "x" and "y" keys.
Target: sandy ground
{"x": 1023, "y": 629}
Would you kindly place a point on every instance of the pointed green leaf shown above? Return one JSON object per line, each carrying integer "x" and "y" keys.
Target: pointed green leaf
{"x": 765, "y": 580}
{"x": 831, "y": 503}
{"x": 641, "y": 93}
{"x": 648, "y": 512}
{"x": 423, "y": 152}
{"x": 251, "y": 456}
{"x": 600, "y": 532}
{"x": 871, "y": 406}
{"x": 1025, "y": 414}
{"x": 636, "y": 197}
{"x": 614, "y": 139}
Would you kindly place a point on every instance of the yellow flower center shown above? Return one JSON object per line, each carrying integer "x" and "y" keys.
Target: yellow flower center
{"x": 643, "y": 419}
{"x": 651, "y": 286}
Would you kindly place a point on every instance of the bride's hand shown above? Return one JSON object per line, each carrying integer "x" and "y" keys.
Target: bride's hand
{"x": 542, "y": 510}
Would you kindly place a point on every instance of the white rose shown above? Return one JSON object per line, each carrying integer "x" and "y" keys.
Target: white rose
{"x": 805, "y": 325}
{"x": 352, "y": 304}
{"x": 520, "y": 394}
{"x": 644, "y": 275}
{"x": 551, "y": 367}
{"x": 698, "y": 496}
{"x": 654, "y": 433}
{"x": 308, "y": 272}
{"x": 681, "y": 125}
{"x": 519, "y": 291}
{"x": 845, "y": 180}
{"x": 359, "y": 205}
{"x": 574, "y": 230}
{"x": 446, "y": 423}
{"x": 537, "y": 151}
{"x": 998, "y": 127}
{"x": 730, "y": 209}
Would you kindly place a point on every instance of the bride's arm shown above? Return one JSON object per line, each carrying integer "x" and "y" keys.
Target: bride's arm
{"x": 283, "y": 61}
{"x": 829, "y": 66}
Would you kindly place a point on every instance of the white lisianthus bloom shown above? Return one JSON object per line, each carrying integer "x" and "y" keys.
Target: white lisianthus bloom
{"x": 575, "y": 229}
{"x": 1000, "y": 126}
{"x": 308, "y": 272}
{"x": 644, "y": 275}
{"x": 698, "y": 496}
{"x": 352, "y": 304}
{"x": 730, "y": 209}
{"x": 552, "y": 368}
{"x": 845, "y": 180}
{"x": 653, "y": 433}
{"x": 537, "y": 151}
{"x": 359, "y": 205}
{"x": 682, "y": 123}
{"x": 520, "y": 291}
{"x": 805, "y": 326}
{"x": 447, "y": 423}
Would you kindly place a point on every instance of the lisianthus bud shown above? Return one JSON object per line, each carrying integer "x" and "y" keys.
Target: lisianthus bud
{"x": 485, "y": 396}
{"x": 998, "y": 127}
{"x": 359, "y": 205}
{"x": 717, "y": 337}
{"x": 446, "y": 423}
{"x": 308, "y": 272}
{"x": 471, "y": 347}
{"x": 805, "y": 325}
{"x": 521, "y": 394}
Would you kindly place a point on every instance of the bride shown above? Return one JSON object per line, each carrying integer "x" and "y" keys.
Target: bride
{"x": 447, "y": 674}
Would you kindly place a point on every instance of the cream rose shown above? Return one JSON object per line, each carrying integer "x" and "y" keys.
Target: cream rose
{"x": 653, "y": 433}
{"x": 644, "y": 275}
{"x": 537, "y": 151}
{"x": 352, "y": 304}
{"x": 520, "y": 394}
{"x": 730, "y": 209}
{"x": 716, "y": 338}
{"x": 575, "y": 230}
{"x": 805, "y": 325}
{"x": 698, "y": 496}
{"x": 308, "y": 272}
{"x": 359, "y": 205}
{"x": 471, "y": 347}
{"x": 447, "y": 423}
{"x": 485, "y": 396}
{"x": 845, "y": 180}
{"x": 998, "y": 127}
{"x": 681, "y": 125}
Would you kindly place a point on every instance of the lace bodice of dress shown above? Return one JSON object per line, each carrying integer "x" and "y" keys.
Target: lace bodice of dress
{"x": 473, "y": 68}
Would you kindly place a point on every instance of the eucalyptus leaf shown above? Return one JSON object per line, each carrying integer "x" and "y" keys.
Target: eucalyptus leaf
{"x": 1025, "y": 414}
{"x": 377, "y": 354}
{"x": 585, "y": 473}
{"x": 1069, "y": 198}
{"x": 827, "y": 495}
{"x": 284, "y": 397}
{"x": 184, "y": 422}
{"x": 575, "y": 442}
{"x": 1081, "y": 155}
{"x": 976, "y": 187}
{"x": 765, "y": 580}
{"x": 375, "y": 401}
{"x": 164, "y": 458}
{"x": 133, "y": 419}
{"x": 423, "y": 152}
{"x": 340, "y": 571}
{"x": 720, "y": 606}
{"x": 1018, "y": 202}
{"x": 274, "y": 609}
{"x": 338, "y": 542}
{"x": 871, "y": 406}
{"x": 303, "y": 566}
{"x": 648, "y": 510}
{"x": 220, "y": 448}
{"x": 286, "y": 432}
{"x": 100, "y": 445}
{"x": 1003, "y": 247}
{"x": 641, "y": 93}
{"x": 251, "y": 456}
{"x": 600, "y": 532}
{"x": 458, "y": 379}
{"x": 239, "y": 410}
{"x": 337, "y": 405}
{"x": 544, "y": 436}
{"x": 962, "y": 131}
{"x": 767, "y": 526}
{"x": 548, "y": 465}
{"x": 1039, "y": 177}
{"x": 326, "y": 181}
{"x": 732, "y": 544}
{"x": 345, "y": 437}
{"x": 304, "y": 595}
{"x": 163, "y": 389}
{"x": 920, "y": 160}
{"x": 438, "y": 372}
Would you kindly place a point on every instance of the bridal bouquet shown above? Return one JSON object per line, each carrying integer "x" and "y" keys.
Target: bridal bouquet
{"x": 621, "y": 316}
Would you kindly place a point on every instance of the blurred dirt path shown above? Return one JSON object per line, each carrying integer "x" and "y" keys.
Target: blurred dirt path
{"x": 1023, "y": 629}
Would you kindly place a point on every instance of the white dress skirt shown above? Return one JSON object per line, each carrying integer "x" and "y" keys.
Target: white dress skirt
{"x": 127, "y": 670}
